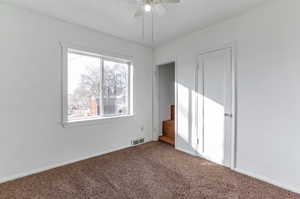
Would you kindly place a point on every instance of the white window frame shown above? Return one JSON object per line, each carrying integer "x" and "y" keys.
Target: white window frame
{"x": 65, "y": 47}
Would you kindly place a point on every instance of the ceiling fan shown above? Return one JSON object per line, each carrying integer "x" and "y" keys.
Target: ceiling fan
{"x": 154, "y": 6}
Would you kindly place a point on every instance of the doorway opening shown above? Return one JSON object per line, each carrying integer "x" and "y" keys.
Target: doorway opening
{"x": 166, "y": 102}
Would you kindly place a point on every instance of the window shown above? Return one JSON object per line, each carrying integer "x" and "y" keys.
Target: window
{"x": 98, "y": 87}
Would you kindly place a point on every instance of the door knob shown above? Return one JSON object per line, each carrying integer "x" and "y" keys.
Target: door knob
{"x": 228, "y": 115}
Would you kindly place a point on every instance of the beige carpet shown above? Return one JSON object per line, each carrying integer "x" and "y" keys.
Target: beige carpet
{"x": 151, "y": 171}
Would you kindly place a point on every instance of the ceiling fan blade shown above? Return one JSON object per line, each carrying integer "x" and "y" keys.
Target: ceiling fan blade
{"x": 170, "y": 1}
{"x": 139, "y": 12}
{"x": 159, "y": 9}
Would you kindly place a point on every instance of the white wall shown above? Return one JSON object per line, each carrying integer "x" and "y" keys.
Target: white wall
{"x": 268, "y": 83}
{"x": 31, "y": 134}
{"x": 166, "y": 88}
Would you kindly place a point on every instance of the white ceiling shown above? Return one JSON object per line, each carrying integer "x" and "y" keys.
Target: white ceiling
{"x": 115, "y": 17}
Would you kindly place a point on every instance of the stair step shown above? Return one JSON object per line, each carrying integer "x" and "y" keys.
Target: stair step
{"x": 172, "y": 112}
{"x": 169, "y": 128}
{"x": 168, "y": 140}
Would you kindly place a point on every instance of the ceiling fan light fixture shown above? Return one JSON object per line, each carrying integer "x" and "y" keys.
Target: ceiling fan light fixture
{"x": 147, "y": 7}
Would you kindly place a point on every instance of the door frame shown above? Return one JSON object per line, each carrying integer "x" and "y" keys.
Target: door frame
{"x": 233, "y": 142}
{"x": 155, "y": 105}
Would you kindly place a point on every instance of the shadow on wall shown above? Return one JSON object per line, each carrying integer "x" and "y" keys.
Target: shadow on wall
{"x": 191, "y": 125}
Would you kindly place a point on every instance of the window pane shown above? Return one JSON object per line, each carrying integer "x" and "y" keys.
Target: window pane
{"x": 83, "y": 86}
{"x": 115, "y": 88}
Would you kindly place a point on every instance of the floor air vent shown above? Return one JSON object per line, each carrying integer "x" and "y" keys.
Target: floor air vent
{"x": 138, "y": 141}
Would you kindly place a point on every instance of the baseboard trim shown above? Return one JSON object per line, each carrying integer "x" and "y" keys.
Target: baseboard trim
{"x": 253, "y": 175}
{"x": 268, "y": 180}
{"x": 39, "y": 170}
{"x": 186, "y": 151}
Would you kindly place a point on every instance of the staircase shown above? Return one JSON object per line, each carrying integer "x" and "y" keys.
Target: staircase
{"x": 168, "y": 128}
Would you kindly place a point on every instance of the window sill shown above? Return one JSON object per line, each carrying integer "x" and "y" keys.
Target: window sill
{"x": 96, "y": 121}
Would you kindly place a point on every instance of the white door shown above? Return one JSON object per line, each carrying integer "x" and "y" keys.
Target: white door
{"x": 214, "y": 101}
